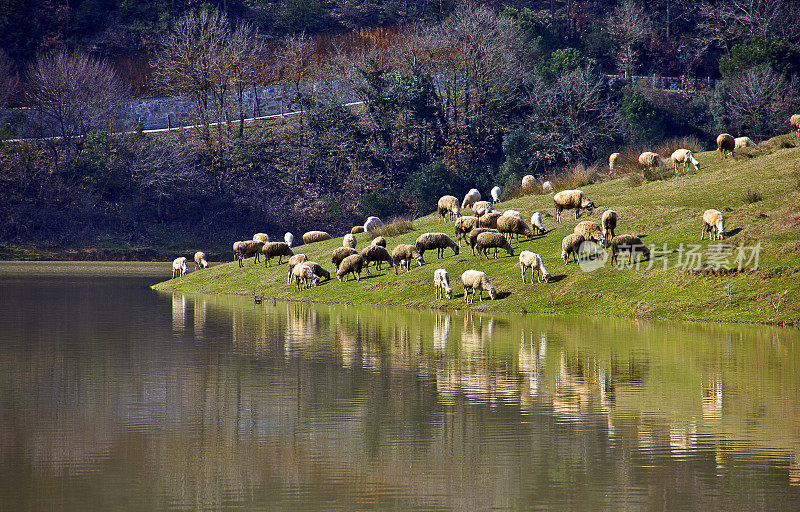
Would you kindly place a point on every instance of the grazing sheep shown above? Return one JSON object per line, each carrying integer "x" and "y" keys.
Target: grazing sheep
{"x": 531, "y": 260}
{"x": 489, "y": 220}
{"x": 609, "y": 223}
{"x": 473, "y": 236}
{"x": 612, "y": 162}
{"x": 488, "y": 240}
{"x": 726, "y": 144}
{"x": 441, "y": 280}
{"x": 571, "y": 244}
{"x": 402, "y": 256}
{"x": 512, "y": 213}
{"x": 200, "y": 260}
{"x": 794, "y": 124}
{"x": 349, "y": 240}
{"x": 340, "y": 253}
{"x": 379, "y": 240}
{"x": 590, "y": 230}
{"x": 464, "y": 225}
{"x": 294, "y": 261}
{"x": 481, "y": 207}
{"x": 495, "y": 195}
{"x": 377, "y": 254}
{"x": 178, "y": 267}
{"x": 528, "y": 182}
{"x": 247, "y": 248}
{"x": 513, "y": 226}
{"x": 356, "y": 230}
{"x": 684, "y": 157}
{"x": 351, "y": 264}
{"x": 310, "y": 237}
{"x": 447, "y": 207}
{"x": 261, "y": 237}
{"x": 303, "y": 277}
{"x": 476, "y": 280}
{"x": 743, "y": 142}
{"x": 272, "y": 249}
{"x": 438, "y": 241}
{"x": 318, "y": 270}
{"x": 289, "y": 239}
{"x": 470, "y": 198}
{"x": 547, "y": 187}
{"x": 650, "y": 160}
{"x": 569, "y": 199}
{"x": 536, "y": 223}
{"x": 714, "y": 224}
{"x": 372, "y": 223}
{"x": 628, "y": 243}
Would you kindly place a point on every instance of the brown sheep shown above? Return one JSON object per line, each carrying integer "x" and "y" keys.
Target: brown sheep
{"x": 514, "y": 226}
{"x": 272, "y": 249}
{"x": 438, "y": 241}
{"x": 726, "y": 144}
{"x": 628, "y": 243}
{"x": 489, "y": 220}
{"x": 375, "y": 253}
{"x": 569, "y": 199}
{"x": 340, "y": 253}
{"x": 473, "y": 236}
{"x": 351, "y": 264}
{"x": 571, "y": 244}
{"x": 464, "y": 225}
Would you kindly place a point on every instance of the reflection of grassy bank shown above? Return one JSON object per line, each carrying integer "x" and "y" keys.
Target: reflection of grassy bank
{"x": 664, "y": 212}
{"x": 676, "y": 387}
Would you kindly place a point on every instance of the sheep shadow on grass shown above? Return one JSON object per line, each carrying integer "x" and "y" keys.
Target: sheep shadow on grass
{"x": 733, "y": 232}
{"x": 555, "y": 279}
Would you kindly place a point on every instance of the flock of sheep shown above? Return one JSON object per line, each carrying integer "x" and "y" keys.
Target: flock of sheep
{"x": 487, "y": 229}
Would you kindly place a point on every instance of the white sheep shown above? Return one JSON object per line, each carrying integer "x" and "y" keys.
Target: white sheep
{"x": 289, "y": 239}
{"x": 569, "y": 199}
{"x": 495, "y": 195}
{"x": 684, "y": 157}
{"x": 612, "y": 161}
{"x": 447, "y": 207}
{"x": 609, "y": 222}
{"x": 492, "y": 240}
{"x": 178, "y": 267}
{"x": 726, "y": 145}
{"x": 261, "y": 237}
{"x": 547, "y": 187}
{"x": 528, "y": 183}
{"x": 293, "y": 262}
{"x": 304, "y": 276}
{"x": 402, "y": 256}
{"x": 512, "y": 213}
{"x": 475, "y": 280}
{"x": 743, "y": 142}
{"x": 441, "y": 280}
{"x": 650, "y": 160}
{"x": 349, "y": 240}
{"x": 794, "y": 124}
{"x": 470, "y": 198}
{"x": 481, "y": 207}
{"x": 513, "y": 226}
{"x": 372, "y": 223}
{"x": 531, "y": 260}
{"x": 571, "y": 244}
{"x": 200, "y": 260}
{"x": 536, "y": 223}
{"x": 714, "y": 224}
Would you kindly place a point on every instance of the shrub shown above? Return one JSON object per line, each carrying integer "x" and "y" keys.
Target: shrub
{"x": 635, "y": 180}
{"x": 396, "y": 226}
{"x": 576, "y": 176}
{"x": 382, "y": 204}
{"x": 561, "y": 62}
{"x": 781, "y": 55}
{"x": 753, "y": 196}
{"x": 643, "y": 120}
{"x": 669, "y": 146}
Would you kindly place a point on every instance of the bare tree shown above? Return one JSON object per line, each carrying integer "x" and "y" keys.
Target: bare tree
{"x": 570, "y": 118}
{"x": 246, "y": 50}
{"x": 758, "y": 102}
{"x": 724, "y": 24}
{"x": 74, "y": 91}
{"x": 192, "y": 61}
{"x": 629, "y": 24}
{"x": 8, "y": 79}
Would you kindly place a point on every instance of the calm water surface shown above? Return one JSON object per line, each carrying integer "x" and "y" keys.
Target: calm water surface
{"x": 116, "y": 397}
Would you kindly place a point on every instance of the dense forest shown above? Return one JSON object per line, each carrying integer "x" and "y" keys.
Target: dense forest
{"x": 451, "y": 95}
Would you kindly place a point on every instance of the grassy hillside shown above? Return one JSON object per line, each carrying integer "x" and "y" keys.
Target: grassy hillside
{"x": 661, "y": 212}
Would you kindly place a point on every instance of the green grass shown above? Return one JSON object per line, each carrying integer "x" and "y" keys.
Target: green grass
{"x": 662, "y": 212}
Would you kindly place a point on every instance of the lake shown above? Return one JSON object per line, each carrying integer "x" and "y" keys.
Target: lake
{"x": 116, "y": 397}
